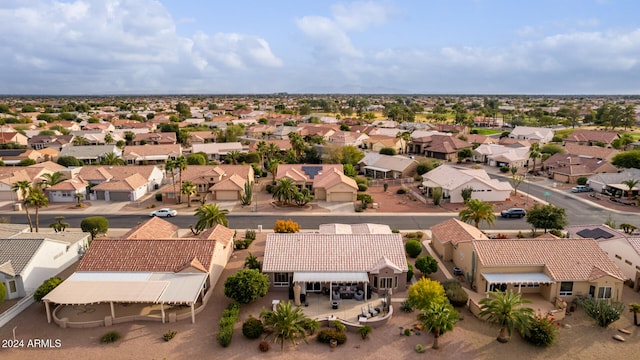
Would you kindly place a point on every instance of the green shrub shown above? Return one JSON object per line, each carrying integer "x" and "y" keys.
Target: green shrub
{"x": 415, "y": 235}
{"x": 401, "y": 191}
{"x": 326, "y": 335}
{"x": 409, "y": 272}
{"x": 505, "y": 169}
{"x": 582, "y": 180}
{"x": 158, "y": 196}
{"x": 111, "y": 336}
{"x": 407, "y": 332}
{"x": 603, "y": 312}
{"x": 269, "y": 188}
{"x": 250, "y": 234}
{"x": 427, "y": 264}
{"x": 556, "y": 232}
{"x": 339, "y": 325}
{"x": 311, "y": 325}
{"x": 363, "y": 187}
{"x": 169, "y": 335}
{"x": 359, "y": 209}
{"x": 395, "y": 231}
{"x": 46, "y": 288}
{"x": 385, "y": 186}
{"x": 413, "y": 248}
{"x": 252, "y": 328}
{"x": 542, "y": 331}
{"x": 457, "y": 297}
{"x": 226, "y": 324}
{"x": 406, "y": 306}
{"x": 420, "y": 348}
{"x": 224, "y": 336}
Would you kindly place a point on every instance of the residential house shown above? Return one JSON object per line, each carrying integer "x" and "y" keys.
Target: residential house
{"x": 535, "y": 134}
{"x": 28, "y": 259}
{"x": 339, "y": 263}
{"x": 15, "y": 156}
{"x": 595, "y": 152}
{"x": 481, "y": 121}
{"x": 375, "y": 143}
{"x": 347, "y": 138}
{"x": 202, "y": 137}
{"x": 56, "y": 142}
{"x": 90, "y": 154}
{"x": 454, "y": 179}
{"x": 10, "y": 176}
{"x": 608, "y": 182}
{"x": 420, "y": 139}
{"x": 13, "y": 137}
{"x": 591, "y": 137}
{"x": 217, "y": 151}
{"x": 446, "y": 235}
{"x": 131, "y": 188}
{"x": 121, "y": 183}
{"x": 147, "y": 267}
{"x": 477, "y": 139}
{"x": 325, "y": 131}
{"x": 327, "y": 181}
{"x": 445, "y": 147}
{"x": 366, "y": 228}
{"x": 156, "y": 138}
{"x": 260, "y": 131}
{"x": 282, "y": 132}
{"x": 381, "y": 166}
{"x": 151, "y": 154}
{"x": 205, "y": 177}
{"x": 568, "y": 168}
{"x": 623, "y": 249}
{"x": 500, "y": 155}
{"x": 67, "y": 190}
{"x": 102, "y": 127}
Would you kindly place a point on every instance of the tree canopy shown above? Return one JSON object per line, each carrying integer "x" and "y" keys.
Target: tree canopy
{"x": 246, "y": 286}
{"x": 547, "y": 217}
{"x": 426, "y": 292}
{"x": 627, "y": 159}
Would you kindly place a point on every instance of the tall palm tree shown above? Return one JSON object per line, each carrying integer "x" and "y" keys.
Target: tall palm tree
{"x": 80, "y": 141}
{"x": 476, "y": 211}
{"x": 272, "y": 150}
{"x": 631, "y": 184}
{"x": 111, "y": 159}
{"x": 262, "y": 150}
{"x": 272, "y": 167}
{"x": 232, "y": 157}
{"x": 209, "y": 215}
{"x": 108, "y": 138}
{"x": 506, "y": 310}
{"x": 534, "y": 154}
{"x": 635, "y": 309}
{"x": 285, "y": 323}
{"x": 169, "y": 168}
{"x": 38, "y": 199}
{"x": 189, "y": 189}
{"x": 181, "y": 164}
{"x": 22, "y": 188}
{"x": 439, "y": 319}
{"x": 285, "y": 191}
{"x": 297, "y": 144}
{"x": 51, "y": 179}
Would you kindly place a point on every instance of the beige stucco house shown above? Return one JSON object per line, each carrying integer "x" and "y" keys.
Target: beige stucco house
{"x": 327, "y": 181}
{"x": 454, "y": 179}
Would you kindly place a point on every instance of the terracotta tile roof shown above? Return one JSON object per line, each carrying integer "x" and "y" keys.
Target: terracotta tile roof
{"x": 69, "y": 185}
{"x": 446, "y": 144}
{"x": 148, "y": 255}
{"x": 332, "y": 178}
{"x": 565, "y": 259}
{"x": 127, "y": 184}
{"x": 592, "y": 135}
{"x": 48, "y": 165}
{"x": 332, "y": 252}
{"x": 218, "y": 233}
{"x": 94, "y": 173}
{"x": 295, "y": 171}
{"x": 590, "y": 151}
{"x": 150, "y": 150}
{"x": 455, "y": 231}
{"x": 202, "y": 173}
{"x": 154, "y": 228}
{"x": 233, "y": 182}
{"x": 121, "y": 172}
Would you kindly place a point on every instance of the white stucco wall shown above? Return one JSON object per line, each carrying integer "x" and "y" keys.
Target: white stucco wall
{"x": 625, "y": 252}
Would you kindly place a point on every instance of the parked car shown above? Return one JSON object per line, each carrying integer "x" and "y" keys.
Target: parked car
{"x": 164, "y": 212}
{"x": 513, "y": 212}
{"x": 581, "y": 188}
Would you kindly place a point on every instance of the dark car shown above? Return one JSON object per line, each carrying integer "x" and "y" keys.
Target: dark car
{"x": 513, "y": 212}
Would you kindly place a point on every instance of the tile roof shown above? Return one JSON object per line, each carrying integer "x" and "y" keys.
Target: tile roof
{"x": 153, "y": 255}
{"x": 332, "y": 252}
{"x": 592, "y": 135}
{"x": 565, "y": 259}
{"x": 203, "y": 173}
{"x": 130, "y": 183}
{"x": 218, "y": 233}
{"x": 151, "y": 150}
{"x": 233, "y": 182}
{"x": 590, "y": 151}
{"x": 366, "y": 228}
{"x": 19, "y": 252}
{"x": 452, "y": 177}
{"x": 332, "y": 178}
{"x": 7, "y": 268}
{"x": 446, "y": 144}
{"x": 154, "y": 228}
{"x": 297, "y": 173}
{"x": 455, "y": 231}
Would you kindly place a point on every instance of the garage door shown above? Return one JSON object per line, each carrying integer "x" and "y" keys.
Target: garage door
{"x": 341, "y": 196}
{"x": 119, "y": 195}
{"x": 226, "y": 195}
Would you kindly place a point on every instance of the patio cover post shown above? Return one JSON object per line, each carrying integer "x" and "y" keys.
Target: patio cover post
{"x": 113, "y": 312}
{"x": 193, "y": 314}
{"x": 46, "y": 305}
{"x": 330, "y": 291}
{"x": 365, "y": 292}
{"x": 162, "y": 311}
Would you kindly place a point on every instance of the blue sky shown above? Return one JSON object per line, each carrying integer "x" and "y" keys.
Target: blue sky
{"x": 97, "y": 47}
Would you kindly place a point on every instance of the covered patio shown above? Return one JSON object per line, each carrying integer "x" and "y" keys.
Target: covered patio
{"x": 124, "y": 296}
{"x": 376, "y": 172}
{"x": 503, "y": 281}
{"x": 337, "y": 284}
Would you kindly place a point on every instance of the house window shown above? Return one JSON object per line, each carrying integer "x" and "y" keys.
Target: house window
{"x": 12, "y": 286}
{"x": 566, "y": 288}
{"x": 281, "y": 279}
{"x": 375, "y": 282}
{"x": 533, "y": 285}
{"x": 386, "y": 283}
{"x": 604, "y": 292}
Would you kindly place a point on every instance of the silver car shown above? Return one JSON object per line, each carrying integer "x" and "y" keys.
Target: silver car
{"x": 164, "y": 212}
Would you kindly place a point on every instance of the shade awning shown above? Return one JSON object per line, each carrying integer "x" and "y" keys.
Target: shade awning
{"x": 518, "y": 278}
{"x": 331, "y": 277}
{"x": 369, "y": 167}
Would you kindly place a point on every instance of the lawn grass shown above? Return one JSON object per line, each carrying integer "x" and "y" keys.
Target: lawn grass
{"x": 485, "y": 131}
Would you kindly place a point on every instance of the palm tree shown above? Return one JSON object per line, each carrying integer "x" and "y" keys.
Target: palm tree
{"x": 297, "y": 144}
{"x": 534, "y": 154}
{"x": 285, "y": 191}
{"x": 189, "y": 189}
{"x": 38, "y": 199}
{"x": 635, "y": 309}
{"x": 272, "y": 150}
{"x": 631, "y": 183}
{"x": 181, "y": 164}
{"x": 303, "y": 197}
{"x": 476, "y": 211}
{"x": 79, "y": 197}
{"x": 232, "y": 157}
{"x": 22, "y": 188}
{"x": 505, "y": 310}
{"x": 262, "y": 150}
{"x": 272, "y": 167}
{"x": 439, "y": 319}
{"x": 286, "y": 322}
{"x": 80, "y": 141}
{"x": 209, "y": 215}
{"x": 52, "y": 179}
{"x": 108, "y": 138}
{"x": 111, "y": 159}
{"x": 169, "y": 168}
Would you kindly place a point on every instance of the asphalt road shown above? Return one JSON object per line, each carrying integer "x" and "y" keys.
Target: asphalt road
{"x": 579, "y": 212}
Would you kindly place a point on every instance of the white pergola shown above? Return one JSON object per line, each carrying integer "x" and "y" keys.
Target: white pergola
{"x": 516, "y": 279}
{"x": 85, "y": 288}
{"x": 331, "y": 277}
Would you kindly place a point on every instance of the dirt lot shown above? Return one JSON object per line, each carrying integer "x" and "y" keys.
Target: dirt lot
{"x": 471, "y": 339}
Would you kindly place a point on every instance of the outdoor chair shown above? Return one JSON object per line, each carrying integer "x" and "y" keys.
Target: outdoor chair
{"x": 359, "y": 295}
{"x": 373, "y": 311}
{"x": 365, "y": 312}
{"x": 336, "y": 295}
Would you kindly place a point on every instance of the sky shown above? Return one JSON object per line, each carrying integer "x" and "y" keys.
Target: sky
{"x": 111, "y": 47}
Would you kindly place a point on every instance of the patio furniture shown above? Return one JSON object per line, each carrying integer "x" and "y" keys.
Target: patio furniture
{"x": 274, "y": 304}
{"x": 334, "y": 305}
{"x": 336, "y": 294}
{"x": 373, "y": 311}
{"x": 359, "y": 295}
{"x": 366, "y": 312}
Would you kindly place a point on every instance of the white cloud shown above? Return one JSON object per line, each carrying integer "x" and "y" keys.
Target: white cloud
{"x": 360, "y": 15}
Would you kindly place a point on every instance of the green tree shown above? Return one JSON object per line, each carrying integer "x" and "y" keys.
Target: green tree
{"x": 80, "y": 141}
{"x": 303, "y": 197}
{"x": 26, "y": 162}
{"x": 426, "y": 292}
{"x": 246, "y": 286}
{"x": 51, "y": 179}
{"x": 272, "y": 167}
{"x": 388, "y": 151}
{"x": 534, "y": 154}
{"x": 552, "y": 149}
{"x": 439, "y": 318}
{"x": 69, "y": 161}
{"x": 209, "y": 215}
{"x": 466, "y": 193}
{"x": 427, "y": 264}
{"x": 197, "y": 159}
{"x": 111, "y": 159}
{"x": 129, "y": 136}
{"x": 627, "y": 159}
{"x": 184, "y": 110}
{"x": 189, "y": 189}
{"x": 285, "y": 191}
{"x": 22, "y": 188}
{"x": 506, "y": 310}
{"x": 3, "y": 292}
{"x": 46, "y": 287}
{"x": 547, "y": 217}
{"x": 635, "y": 309}
{"x": 37, "y": 199}
{"x": 95, "y": 225}
{"x": 297, "y": 144}
{"x": 285, "y": 323}
{"x": 477, "y": 211}
{"x": 515, "y": 181}
{"x": 631, "y": 183}
{"x": 181, "y": 164}
{"x": 351, "y": 155}
{"x": 59, "y": 226}
{"x": 108, "y": 138}
{"x": 232, "y": 157}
